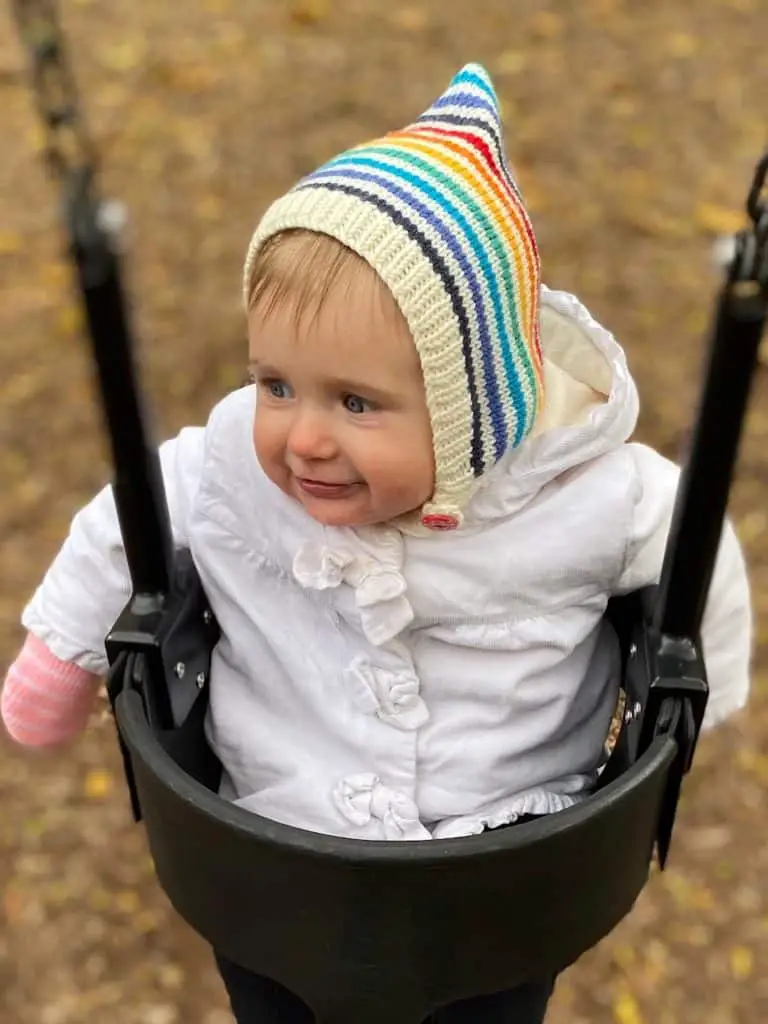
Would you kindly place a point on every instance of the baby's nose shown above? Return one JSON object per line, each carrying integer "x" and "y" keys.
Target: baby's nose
{"x": 311, "y": 437}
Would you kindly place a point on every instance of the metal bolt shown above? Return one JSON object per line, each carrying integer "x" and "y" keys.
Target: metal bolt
{"x": 200, "y": 680}
{"x": 180, "y": 668}
{"x": 207, "y": 617}
{"x": 632, "y": 713}
{"x": 632, "y": 650}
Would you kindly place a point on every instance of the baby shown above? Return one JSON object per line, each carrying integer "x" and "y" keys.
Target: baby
{"x": 410, "y": 523}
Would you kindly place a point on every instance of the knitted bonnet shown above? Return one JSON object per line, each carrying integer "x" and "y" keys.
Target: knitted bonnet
{"x": 435, "y": 211}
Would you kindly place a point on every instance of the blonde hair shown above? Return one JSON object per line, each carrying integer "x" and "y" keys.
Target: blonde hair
{"x": 303, "y": 267}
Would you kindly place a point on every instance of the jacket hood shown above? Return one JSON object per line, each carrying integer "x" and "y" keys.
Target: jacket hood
{"x": 591, "y": 408}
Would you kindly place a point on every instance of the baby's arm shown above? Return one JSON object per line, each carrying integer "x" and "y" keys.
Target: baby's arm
{"x": 45, "y": 700}
{"x": 726, "y": 631}
{"x": 50, "y": 688}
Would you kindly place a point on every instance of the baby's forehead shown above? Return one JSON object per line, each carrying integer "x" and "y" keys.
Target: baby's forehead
{"x": 305, "y": 268}
{"x": 304, "y": 282}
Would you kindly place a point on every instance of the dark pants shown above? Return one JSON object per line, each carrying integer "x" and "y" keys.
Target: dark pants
{"x": 257, "y": 1000}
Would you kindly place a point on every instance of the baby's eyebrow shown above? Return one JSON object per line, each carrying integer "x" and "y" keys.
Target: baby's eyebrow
{"x": 358, "y": 388}
{"x": 265, "y": 368}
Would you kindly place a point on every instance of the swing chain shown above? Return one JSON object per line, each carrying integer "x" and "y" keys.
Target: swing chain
{"x": 68, "y": 148}
{"x": 757, "y": 203}
{"x": 750, "y": 265}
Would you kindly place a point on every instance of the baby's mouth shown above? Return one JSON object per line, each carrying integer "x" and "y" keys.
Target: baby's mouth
{"x": 325, "y": 489}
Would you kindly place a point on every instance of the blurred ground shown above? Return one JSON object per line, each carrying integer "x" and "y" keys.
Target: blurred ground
{"x": 634, "y": 133}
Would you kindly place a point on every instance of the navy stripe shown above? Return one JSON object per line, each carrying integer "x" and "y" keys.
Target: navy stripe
{"x": 483, "y": 126}
{"x": 492, "y": 385}
{"x": 483, "y": 240}
{"x": 442, "y": 271}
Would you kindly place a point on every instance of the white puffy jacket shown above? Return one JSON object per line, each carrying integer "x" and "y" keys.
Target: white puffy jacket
{"x": 376, "y": 684}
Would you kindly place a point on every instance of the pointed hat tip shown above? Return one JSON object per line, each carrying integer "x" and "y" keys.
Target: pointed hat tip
{"x": 476, "y": 74}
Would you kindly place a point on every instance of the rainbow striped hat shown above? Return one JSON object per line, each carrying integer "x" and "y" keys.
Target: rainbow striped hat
{"x": 435, "y": 211}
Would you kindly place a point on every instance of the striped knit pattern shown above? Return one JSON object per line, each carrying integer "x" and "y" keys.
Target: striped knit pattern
{"x": 435, "y": 210}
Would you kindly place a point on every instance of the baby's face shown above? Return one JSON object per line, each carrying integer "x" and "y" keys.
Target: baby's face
{"x": 341, "y": 420}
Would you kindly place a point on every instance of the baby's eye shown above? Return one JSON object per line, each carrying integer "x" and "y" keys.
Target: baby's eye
{"x": 357, "y": 405}
{"x": 277, "y": 388}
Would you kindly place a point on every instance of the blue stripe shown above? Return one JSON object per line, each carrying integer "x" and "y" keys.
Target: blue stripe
{"x": 443, "y": 272}
{"x": 475, "y": 78}
{"x": 442, "y": 199}
{"x": 458, "y": 98}
{"x": 481, "y": 244}
{"x": 498, "y": 420}
{"x": 492, "y": 137}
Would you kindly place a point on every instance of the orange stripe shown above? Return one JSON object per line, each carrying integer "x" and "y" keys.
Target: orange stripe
{"x": 530, "y": 295}
{"x": 479, "y": 145}
{"x": 491, "y": 180}
{"x": 522, "y": 222}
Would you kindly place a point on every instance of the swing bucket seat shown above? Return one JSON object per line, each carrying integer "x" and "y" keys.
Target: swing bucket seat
{"x": 385, "y": 932}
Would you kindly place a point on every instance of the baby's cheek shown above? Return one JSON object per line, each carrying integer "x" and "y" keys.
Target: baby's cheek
{"x": 269, "y": 449}
{"x": 419, "y": 463}
{"x": 411, "y": 475}
{"x": 264, "y": 436}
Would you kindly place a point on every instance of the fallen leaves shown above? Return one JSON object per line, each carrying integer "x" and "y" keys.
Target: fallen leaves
{"x": 10, "y": 242}
{"x": 681, "y": 45}
{"x": 547, "y": 24}
{"x": 308, "y": 12}
{"x": 719, "y": 220}
{"x": 70, "y": 320}
{"x": 127, "y": 901}
{"x": 410, "y": 19}
{"x": 650, "y": 219}
{"x": 124, "y": 54}
{"x": 626, "y": 1009}
{"x": 194, "y": 77}
{"x": 742, "y": 962}
{"x": 12, "y": 904}
{"x": 16, "y": 391}
{"x": 510, "y": 62}
{"x": 686, "y": 892}
{"x": 98, "y": 784}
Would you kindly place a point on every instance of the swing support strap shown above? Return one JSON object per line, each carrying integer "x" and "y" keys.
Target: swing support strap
{"x": 93, "y": 247}
{"x": 93, "y": 244}
{"x": 668, "y": 662}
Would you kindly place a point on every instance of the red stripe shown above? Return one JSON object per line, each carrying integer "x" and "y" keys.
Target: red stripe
{"x": 479, "y": 143}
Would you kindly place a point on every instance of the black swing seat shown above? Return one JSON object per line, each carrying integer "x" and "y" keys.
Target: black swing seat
{"x": 385, "y": 932}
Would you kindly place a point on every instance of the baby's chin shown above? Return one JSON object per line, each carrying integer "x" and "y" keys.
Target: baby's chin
{"x": 336, "y": 512}
{"x": 335, "y": 516}
{"x": 351, "y": 513}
